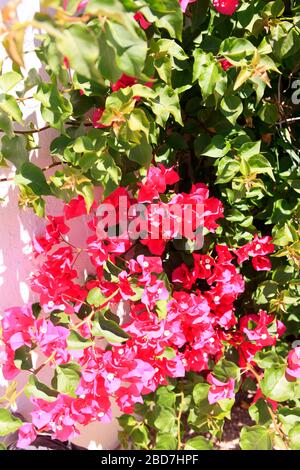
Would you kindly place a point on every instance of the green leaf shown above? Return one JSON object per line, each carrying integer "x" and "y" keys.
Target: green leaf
{"x": 165, "y": 441}
{"x": 259, "y": 412}
{"x": 217, "y": 148}
{"x": 95, "y": 297}
{"x": 269, "y": 113}
{"x": 165, "y": 420}
{"x": 236, "y": 49}
{"x": 15, "y": 150}
{"x": 198, "y": 443}
{"x": 55, "y": 108}
{"x": 208, "y": 72}
{"x": 79, "y": 44}
{"x": 142, "y": 153}
{"x": 255, "y": 438}
{"x": 32, "y": 176}
{"x": 37, "y": 389}
{"x": 66, "y": 378}
{"x": 130, "y": 47}
{"x": 22, "y": 358}
{"x": 275, "y": 386}
{"x": 76, "y": 341}
{"x": 289, "y": 417}
{"x": 294, "y": 437}
{"x": 165, "y": 14}
{"x": 231, "y": 107}
{"x": 166, "y": 103}
{"x": 6, "y": 124}
{"x": 8, "y": 423}
{"x": 108, "y": 329}
{"x": 9, "y": 80}
{"x": 140, "y": 436}
{"x": 9, "y": 105}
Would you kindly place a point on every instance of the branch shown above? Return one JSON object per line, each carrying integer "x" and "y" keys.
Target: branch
{"x": 4, "y": 180}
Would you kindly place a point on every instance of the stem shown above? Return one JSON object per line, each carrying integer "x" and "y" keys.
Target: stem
{"x": 90, "y": 316}
{"x": 181, "y": 395}
{"x": 5, "y": 180}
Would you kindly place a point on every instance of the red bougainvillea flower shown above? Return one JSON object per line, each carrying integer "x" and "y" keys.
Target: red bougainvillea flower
{"x": 27, "y": 434}
{"x": 260, "y": 333}
{"x": 219, "y": 390}
{"x": 259, "y": 395}
{"x": 185, "y": 3}
{"x": 139, "y": 17}
{"x": 261, "y": 263}
{"x": 257, "y": 249}
{"x": 75, "y": 208}
{"x": 97, "y": 115}
{"x": 225, "y": 64}
{"x": 226, "y": 7}
{"x": 293, "y": 369}
{"x": 123, "y": 82}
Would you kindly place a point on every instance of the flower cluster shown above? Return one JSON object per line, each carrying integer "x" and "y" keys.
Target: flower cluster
{"x": 171, "y": 329}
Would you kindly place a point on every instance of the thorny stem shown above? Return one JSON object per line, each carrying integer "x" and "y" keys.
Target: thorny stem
{"x": 272, "y": 414}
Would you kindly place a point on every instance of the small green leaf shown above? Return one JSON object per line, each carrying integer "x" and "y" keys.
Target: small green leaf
{"x": 22, "y": 358}
{"x": 165, "y": 441}
{"x": 255, "y": 438}
{"x": 32, "y": 176}
{"x": 37, "y": 389}
{"x": 231, "y": 107}
{"x": 15, "y": 150}
{"x": 66, "y": 378}
{"x": 9, "y": 80}
{"x": 294, "y": 437}
{"x": 198, "y": 443}
{"x": 8, "y": 423}
{"x": 95, "y": 297}
{"x": 76, "y": 341}
{"x": 9, "y": 105}
{"x": 108, "y": 329}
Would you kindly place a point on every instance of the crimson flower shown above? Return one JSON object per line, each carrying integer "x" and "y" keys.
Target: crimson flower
{"x": 226, "y": 7}
{"x": 139, "y": 17}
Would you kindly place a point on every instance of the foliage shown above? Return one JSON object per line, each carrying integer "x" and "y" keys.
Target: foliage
{"x": 149, "y": 100}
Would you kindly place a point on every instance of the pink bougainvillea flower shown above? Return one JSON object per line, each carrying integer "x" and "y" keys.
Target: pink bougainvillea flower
{"x": 226, "y": 7}
{"x": 293, "y": 369}
{"x": 184, "y": 4}
{"x": 139, "y": 17}
{"x": 27, "y": 435}
{"x": 96, "y": 118}
{"x": 219, "y": 390}
{"x": 225, "y": 64}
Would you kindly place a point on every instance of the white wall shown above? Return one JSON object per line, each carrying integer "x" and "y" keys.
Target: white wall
{"x": 17, "y": 228}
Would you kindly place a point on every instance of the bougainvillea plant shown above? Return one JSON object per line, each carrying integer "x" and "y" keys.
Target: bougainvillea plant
{"x": 168, "y": 106}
